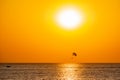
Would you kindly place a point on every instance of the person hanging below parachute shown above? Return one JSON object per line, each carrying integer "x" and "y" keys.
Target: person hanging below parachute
{"x": 74, "y": 55}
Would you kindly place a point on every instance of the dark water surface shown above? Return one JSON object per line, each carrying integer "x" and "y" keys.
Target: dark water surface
{"x": 48, "y": 71}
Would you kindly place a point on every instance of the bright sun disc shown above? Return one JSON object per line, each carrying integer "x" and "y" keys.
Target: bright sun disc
{"x": 69, "y": 18}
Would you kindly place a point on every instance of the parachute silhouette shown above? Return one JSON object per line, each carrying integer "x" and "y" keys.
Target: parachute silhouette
{"x": 74, "y": 54}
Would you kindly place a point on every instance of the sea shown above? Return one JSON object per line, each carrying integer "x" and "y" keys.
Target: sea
{"x": 58, "y": 71}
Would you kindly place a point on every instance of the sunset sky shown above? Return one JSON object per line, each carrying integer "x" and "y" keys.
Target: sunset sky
{"x": 29, "y": 33}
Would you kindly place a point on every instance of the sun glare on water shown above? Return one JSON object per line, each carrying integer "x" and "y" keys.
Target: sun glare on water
{"x": 69, "y": 18}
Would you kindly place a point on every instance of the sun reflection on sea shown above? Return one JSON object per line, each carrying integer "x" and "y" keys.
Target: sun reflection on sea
{"x": 70, "y": 71}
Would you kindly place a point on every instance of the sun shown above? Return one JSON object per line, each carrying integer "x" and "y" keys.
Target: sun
{"x": 69, "y": 17}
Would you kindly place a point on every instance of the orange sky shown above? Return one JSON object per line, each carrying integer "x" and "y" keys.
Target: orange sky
{"x": 29, "y": 34}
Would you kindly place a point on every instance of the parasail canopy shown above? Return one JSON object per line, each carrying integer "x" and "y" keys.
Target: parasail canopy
{"x": 74, "y": 54}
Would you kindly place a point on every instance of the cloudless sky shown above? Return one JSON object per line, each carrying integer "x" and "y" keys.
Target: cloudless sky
{"x": 28, "y": 32}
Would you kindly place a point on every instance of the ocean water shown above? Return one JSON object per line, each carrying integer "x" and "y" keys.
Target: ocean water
{"x": 48, "y": 71}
